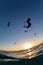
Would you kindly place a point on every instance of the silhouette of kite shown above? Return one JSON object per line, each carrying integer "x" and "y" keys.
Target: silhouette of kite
{"x": 25, "y": 31}
{"x": 35, "y": 34}
{"x": 29, "y": 23}
{"x": 15, "y": 43}
{"x": 8, "y": 23}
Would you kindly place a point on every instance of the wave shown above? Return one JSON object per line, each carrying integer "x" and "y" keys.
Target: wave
{"x": 23, "y": 54}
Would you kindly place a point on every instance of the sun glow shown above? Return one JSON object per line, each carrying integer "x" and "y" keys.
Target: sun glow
{"x": 27, "y": 46}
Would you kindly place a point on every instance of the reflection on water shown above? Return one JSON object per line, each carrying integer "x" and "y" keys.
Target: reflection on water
{"x": 29, "y": 53}
{"x": 9, "y": 59}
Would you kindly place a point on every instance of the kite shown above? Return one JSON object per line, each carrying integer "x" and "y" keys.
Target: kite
{"x": 8, "y": 23}
{"x": 29, "y": 23}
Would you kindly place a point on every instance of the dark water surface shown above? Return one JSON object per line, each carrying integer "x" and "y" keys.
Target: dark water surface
{"x": 33, "y": 56}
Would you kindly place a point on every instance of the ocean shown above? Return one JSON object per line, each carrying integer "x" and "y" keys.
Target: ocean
{"x": 23, "y": 54}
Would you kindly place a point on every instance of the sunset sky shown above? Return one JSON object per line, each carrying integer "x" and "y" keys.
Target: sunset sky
{"x": 17, "y": 11}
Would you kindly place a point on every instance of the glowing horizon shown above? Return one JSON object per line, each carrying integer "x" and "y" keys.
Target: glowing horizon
{"x": 23, "y": 47}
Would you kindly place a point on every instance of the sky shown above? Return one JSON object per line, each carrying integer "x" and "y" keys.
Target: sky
{"x": 17, "y": 11}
